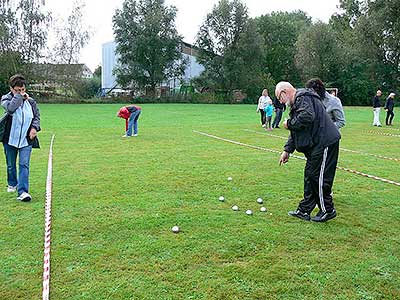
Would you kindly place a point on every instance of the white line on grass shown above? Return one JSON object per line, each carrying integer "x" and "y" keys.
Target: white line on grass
{"x": 296, "y": 156}
{"x": 382, "y": 133}
{"x": 387, "y": 128}
{"x": 47, "y": 225}
{"x": 343, "y": 149}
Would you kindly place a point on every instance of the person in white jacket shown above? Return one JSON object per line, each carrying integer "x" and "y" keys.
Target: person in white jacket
{"x": 262, "y": 104}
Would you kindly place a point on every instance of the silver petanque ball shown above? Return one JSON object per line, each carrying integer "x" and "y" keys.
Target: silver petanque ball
{"x": 175, "y": 229}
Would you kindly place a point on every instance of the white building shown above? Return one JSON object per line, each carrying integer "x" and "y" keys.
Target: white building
{"x": 110, "y": 58}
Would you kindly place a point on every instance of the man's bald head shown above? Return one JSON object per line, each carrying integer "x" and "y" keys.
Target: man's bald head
{"x": 285, "y": 92}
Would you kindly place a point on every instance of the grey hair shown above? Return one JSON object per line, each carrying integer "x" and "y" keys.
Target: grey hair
{"x": 282, "y": 86}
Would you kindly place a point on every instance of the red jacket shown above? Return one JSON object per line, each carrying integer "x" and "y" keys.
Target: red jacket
{"x": 125, "y": 113}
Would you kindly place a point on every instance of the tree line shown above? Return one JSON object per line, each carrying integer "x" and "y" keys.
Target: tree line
{"x": 24, "y": 47}
{"x": 357, "y": 51}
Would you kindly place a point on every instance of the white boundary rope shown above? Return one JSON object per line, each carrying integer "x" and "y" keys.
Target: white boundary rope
{"x": 382, "y": 133}
{"x": 296, "y": 156}
{"x": 387, "y": 128}
{"x": 343, "y": 149}
{"x": 47, "y": 225}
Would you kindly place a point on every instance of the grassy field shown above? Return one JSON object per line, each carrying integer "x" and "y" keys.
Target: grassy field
{"x": 115, "y": 201}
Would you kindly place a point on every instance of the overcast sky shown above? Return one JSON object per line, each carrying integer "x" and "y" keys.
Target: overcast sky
{"x": 191, "y": 14}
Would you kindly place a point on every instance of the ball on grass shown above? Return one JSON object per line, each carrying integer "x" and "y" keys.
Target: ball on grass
{"x": 263, "y": 209}
{"x": 229, "y": 178}
{"x": 235, "y": 208}
{"x": 221, "y": 198}
{"x": 175, "y": 229}
{"x": 249, "y": 212}
{"x": 260, "y": 201}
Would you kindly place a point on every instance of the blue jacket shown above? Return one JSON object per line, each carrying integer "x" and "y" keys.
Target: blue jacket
{"x": 14, "y": 104}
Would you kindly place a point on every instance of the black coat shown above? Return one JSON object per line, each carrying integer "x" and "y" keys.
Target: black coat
{"x": 309, "y": 124}
{"x": 376, "y": 102}
{"x": 389, "y": 105}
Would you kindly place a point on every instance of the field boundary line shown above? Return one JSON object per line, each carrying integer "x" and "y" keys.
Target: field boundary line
{"x": 343, "y": 149}
{"x": 382, "y": 133}
{"x": 47, "y": 225}
{"x": 296, "y": 156}
{"x": 387, "y": 128}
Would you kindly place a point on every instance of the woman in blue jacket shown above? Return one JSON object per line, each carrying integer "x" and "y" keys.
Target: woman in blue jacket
{"x": 19, "y": 136}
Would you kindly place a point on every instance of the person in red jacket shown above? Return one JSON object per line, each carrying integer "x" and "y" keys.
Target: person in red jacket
{"x": 131, "y": 115}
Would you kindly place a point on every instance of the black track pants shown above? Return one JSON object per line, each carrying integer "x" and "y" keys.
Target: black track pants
{"x": 263, "y": 117}
{"x": 319, "y": 174}
{"x": 389, "y": 117}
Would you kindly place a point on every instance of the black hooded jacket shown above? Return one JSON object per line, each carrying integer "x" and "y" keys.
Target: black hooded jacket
{"x": 309, "y": 124}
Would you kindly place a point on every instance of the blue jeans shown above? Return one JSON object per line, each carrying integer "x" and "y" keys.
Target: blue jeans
{"x": 24, "y": 159}
{"x": 133, "y": 121}
{"x": 278, "y": 117}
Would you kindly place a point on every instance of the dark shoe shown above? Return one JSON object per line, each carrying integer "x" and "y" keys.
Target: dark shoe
{"x": 24, "y": 197}
{"x": 277, "y": 127}
{"x": 324, "y": 216}
{"x": 299, "y": 214}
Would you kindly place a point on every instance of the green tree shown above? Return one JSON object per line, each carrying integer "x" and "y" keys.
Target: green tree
{"x": 318, "y": 54}
{"x": 379, "y": 31}
{"x": 280, "y": 31}
{"x": 231, "y": 50}
{"x": 369, "y": 34}
{"x": 33, "y": 25}
{"x": 148, "y": 44}
{"x": 10, "y": 59}
{"x": 23, "y": 35}
{"x": 97, "y": 72}
{"x": 72, "y": 36}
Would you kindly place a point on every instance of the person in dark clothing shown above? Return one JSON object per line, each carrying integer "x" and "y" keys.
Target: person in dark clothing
{"x": 313, "y": 133}
{"x": 389, "y": 107}
{"x": 376, "y": 104}
{"x": 333, "y": 105}
{"x": 279, "y": 109}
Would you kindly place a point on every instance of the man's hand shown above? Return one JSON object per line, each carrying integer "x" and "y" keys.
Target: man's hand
{"x": 25, "y": 95}
{"x": 284, "y": 158}
{"x": 32, "y": 133}
{"x": 285, "y": 124}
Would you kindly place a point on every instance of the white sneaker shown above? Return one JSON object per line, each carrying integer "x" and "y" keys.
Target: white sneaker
{"x": 11, "y": 189}
{"x": 135, "y": 134}
{"x": 263, "y": 126}
{"x": 126, "y": 136}
{"x": 24, "y": 197}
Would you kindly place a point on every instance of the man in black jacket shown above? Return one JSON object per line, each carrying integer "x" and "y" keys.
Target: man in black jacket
{"x": 313, "y": 133}
{"x": 376, "y": 104}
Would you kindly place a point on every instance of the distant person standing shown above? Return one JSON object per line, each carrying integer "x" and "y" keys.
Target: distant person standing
{"x": 268, "y": 115}
{"x": 262, "y": 104}
{"x": 19, "y": 135}
{"x": 389, "y": 107}
{"x": 332, "y": 104}
{"x": 131, "y": 115}
{"x": 279, "y": 109}
{"x": 376, "y": 104}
